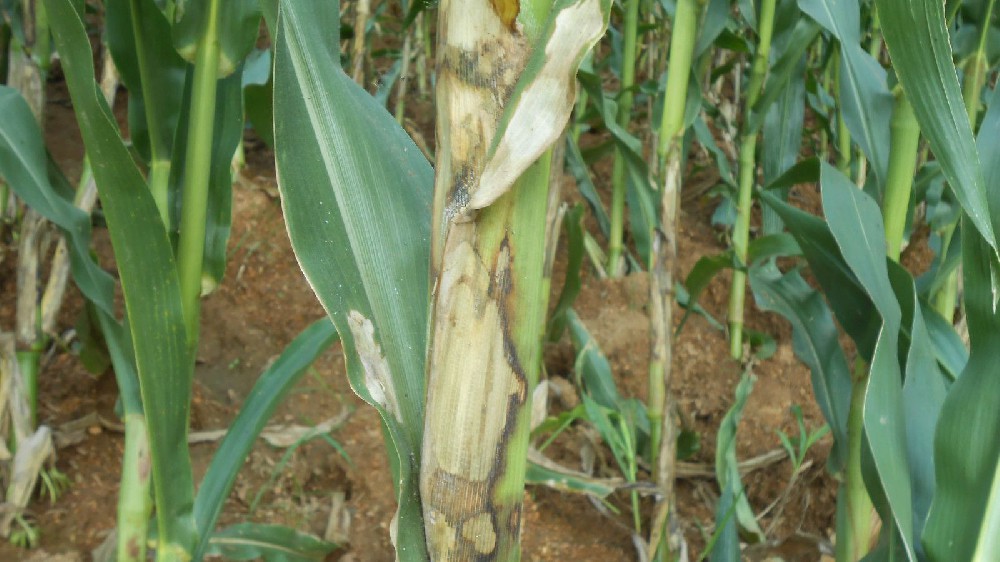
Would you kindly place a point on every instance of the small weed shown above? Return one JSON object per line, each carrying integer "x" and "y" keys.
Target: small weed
{"x": 798, "y": 446}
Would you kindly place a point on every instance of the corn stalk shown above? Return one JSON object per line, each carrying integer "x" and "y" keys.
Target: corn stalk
{"x": 663, "y": 259}
{"x": 618, "y": 171}
{"x": 748, "y": 178}
{"x": 503, "y": 98}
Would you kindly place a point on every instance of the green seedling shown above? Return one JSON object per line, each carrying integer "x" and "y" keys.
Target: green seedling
{"x": 798, "y": 445}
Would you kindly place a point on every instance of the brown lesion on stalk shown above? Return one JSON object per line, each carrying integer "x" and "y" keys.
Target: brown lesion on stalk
{"x": 474, "y": 86}
{"x": 466, "y": 517}
{"x": 493, "y": 68}
{"x": 477, "y": 382}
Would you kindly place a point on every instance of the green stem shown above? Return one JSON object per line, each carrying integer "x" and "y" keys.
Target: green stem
{"x": 134, "y": 504}
{"x": 618, "y": 175}
{"x": 875, "y": 47}
{"x": 682, "y": 42}
{"x": 854, "y": 524}
{"x": 27, "y": 363}
{"x": 748, "y": 173}
{"x": 631, "y": 471}
{"x": 903, "y": 152}
{"x": 191, "y": 247}
{"x": 42, "y": 49}
{"x": 425, "y": 26}
{"x": 947, "y": 294}
{"x": 404, "y": 78}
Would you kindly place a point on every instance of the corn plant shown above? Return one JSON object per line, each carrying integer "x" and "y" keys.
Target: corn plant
{"x": 883, "y": 448}
{"x": 27, "y": 56}
{"x": 152, "y": 349}
{"x": 371, "y": 237}
{"x": 663, "y": 258}
{"x": 902, "y": 426}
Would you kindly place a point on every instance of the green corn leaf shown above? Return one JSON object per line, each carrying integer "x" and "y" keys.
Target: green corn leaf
{"x": 948, "y": 346}
{"x": 803, "y": 171}
{"x": 856, "y": 223}
{"x": 356, "y": 194}
{"x": 707, "y": 267}
{"x": 149, "y": 282}
{"x": 713, "y": 23}
{"x": 270, "y": 543}
{"x": 725, "y": 542}
{"x": 228, "y": 131}
{"x": 849, "y": 302}
{"x": 705, "y": 138}
{"x": 269, "y": 390}
{"x": 23, "y": 164}
{"x": 568, "y": 481}
{"x": 783, "y": 122}
{"x": 592, "y": 368}
{"x": 258, "y": 94}
{"x": 815, "y": 342}
{"x": 988, "y": 143}
{"x": 924, "y": 391}
{"x": 965, "y": 514}
{"x": 121, "y": 352}
{"x": 700, "y": 276}
{"x": 784, "y": 73}
{"x": 239, "y": 22}
{"x": 864, "y": 93}
{"x": 727, "y": 470}
{"x": 784, "y": 116}
{"x": 643, "y": 215}
{"x": 684, "y": 300}
{"x": 922, "y": 58}
{"x": 140, "y": 45}
{"x": 748, "y": 10}
{"x": 770, "y": 246}
{"x": 573, "y": 222}
{"x": 578, "y": 167}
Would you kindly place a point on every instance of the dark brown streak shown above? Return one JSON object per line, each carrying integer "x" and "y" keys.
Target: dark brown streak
{"x": 466, "y": 65}
{"x": 500, "y": 289}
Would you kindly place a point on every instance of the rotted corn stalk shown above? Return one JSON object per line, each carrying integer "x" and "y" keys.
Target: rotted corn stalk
{"x": 505, "y": 88}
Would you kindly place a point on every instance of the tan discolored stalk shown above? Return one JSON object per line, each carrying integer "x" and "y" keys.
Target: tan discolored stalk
{"x": 663, "y": 260}
{"x": 500, "y": 106}
{"x": 362, "y": 11}
{"x": 478, "y": 384}
{"x": 404, "y": 78}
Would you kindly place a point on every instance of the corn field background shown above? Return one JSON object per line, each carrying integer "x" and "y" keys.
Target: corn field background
{"x": 469, "y": 280}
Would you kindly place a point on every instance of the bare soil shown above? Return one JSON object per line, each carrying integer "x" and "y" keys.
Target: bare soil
{"x": 264, "y": 302}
